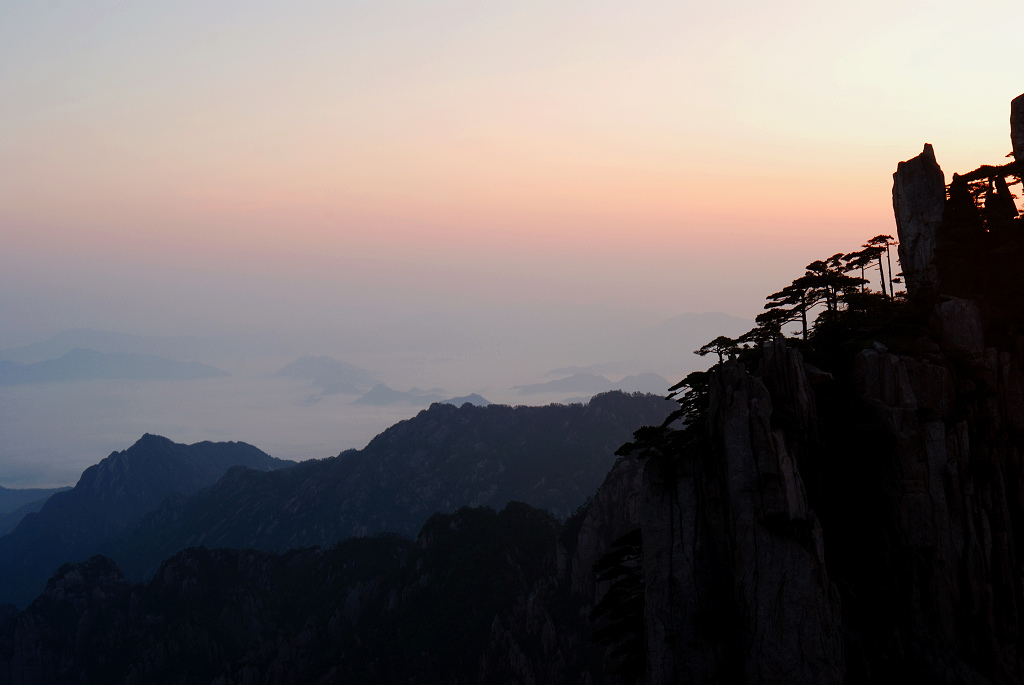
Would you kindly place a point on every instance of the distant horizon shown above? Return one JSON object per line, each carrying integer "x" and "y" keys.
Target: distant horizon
{"x": 53, "y": 430}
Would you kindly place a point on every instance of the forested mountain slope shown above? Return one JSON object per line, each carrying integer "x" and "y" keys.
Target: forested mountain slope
{"x": 108, "y": 500}
{"x": 551, "y": 457}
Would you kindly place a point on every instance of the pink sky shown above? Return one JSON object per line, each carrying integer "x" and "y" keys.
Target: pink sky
{"x": 666, "y": 155}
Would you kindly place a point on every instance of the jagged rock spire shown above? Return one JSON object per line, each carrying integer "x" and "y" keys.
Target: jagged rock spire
{"x": 1017, "y": 127}
{"x": 918, "y": 200}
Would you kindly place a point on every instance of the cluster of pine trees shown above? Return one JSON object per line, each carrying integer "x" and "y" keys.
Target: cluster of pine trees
{"x": 825, "y": 282}
{"x": 828, "y": 291}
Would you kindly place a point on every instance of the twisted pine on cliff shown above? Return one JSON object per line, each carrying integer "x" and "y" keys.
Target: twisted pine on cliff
{"x": 850, "y": 317}
{"x": 842, "y": 302}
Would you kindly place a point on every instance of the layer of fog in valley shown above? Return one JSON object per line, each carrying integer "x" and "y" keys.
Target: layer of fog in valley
{"x": 69, "y": 398}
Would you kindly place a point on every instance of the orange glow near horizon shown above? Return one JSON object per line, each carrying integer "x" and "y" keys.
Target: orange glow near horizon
{"x": 501, "y": 140}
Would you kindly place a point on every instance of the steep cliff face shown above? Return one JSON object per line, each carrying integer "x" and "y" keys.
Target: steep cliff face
{"x": 737, "y": 587}
{"x": 912, "y": 570}
{"x": 956, "y": 506}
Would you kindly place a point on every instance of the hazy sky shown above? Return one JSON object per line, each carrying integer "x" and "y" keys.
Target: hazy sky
{"x": 463, "y": 195}
{"x": 168, "y": 163}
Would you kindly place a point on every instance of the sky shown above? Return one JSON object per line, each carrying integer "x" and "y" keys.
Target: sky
{"x": 674, "y": 155}
{"x": 194, "y": 167}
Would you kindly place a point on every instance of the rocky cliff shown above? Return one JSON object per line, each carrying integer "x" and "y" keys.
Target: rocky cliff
{"x": 851, "y": 508}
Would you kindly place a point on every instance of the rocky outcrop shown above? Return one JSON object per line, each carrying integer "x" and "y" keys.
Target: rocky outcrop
{"x": 685, "y": 594}
{"x": 898, "y": 558}
{"x": 1017, "y": 128}
{"x": 918, "y": 200}
{"x": 83, "y": 591}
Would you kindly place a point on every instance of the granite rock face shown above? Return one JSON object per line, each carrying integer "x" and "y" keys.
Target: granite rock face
{"x": 960, "y": 327}
{"x": 918, "y": 200}
{"x": 734, "y": 561}
{"x": 615, "y": 511}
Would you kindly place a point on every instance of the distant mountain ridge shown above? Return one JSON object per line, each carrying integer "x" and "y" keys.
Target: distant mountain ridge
{"x": 110, "y": 498}
{"x": 381, "y": 395}
{"x": 13, "y": 498}
{"x": 10, "y": 520}
{"x": 550, "y": 457}
{"x": 472, "y": 398}
{"x": 334, "y": 376}
{"x": 174, "y": 347}
{"x": 79, "y": 365}
{"x": 15, "y": 504}
{"x": 588, "y": 382}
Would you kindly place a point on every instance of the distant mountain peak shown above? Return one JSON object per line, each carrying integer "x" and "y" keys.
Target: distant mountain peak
{"x": 381, "y": 395}
{"x": 473, "y": 398}
{"x": 109, "y": 498}
{"x": 333, "y": 375}
{"x": 152, "y": 438}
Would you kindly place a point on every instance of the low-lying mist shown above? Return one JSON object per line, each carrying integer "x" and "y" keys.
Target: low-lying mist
{"x": 51, "y": 430}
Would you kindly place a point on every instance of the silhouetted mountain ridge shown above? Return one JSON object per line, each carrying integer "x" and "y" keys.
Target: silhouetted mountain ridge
{"x": 108, "y": 500}
{"x": 550, "y": 457}
{"x": 582, "y": 381}
{"x": 10, "y": 520}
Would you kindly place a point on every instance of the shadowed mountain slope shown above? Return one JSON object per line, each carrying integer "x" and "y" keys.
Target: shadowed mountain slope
{"x": 108, "y": 500}
{"x": 550, "y": 457}
{"x": 480, "y": 597}
{"x": 10, "y": 520}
